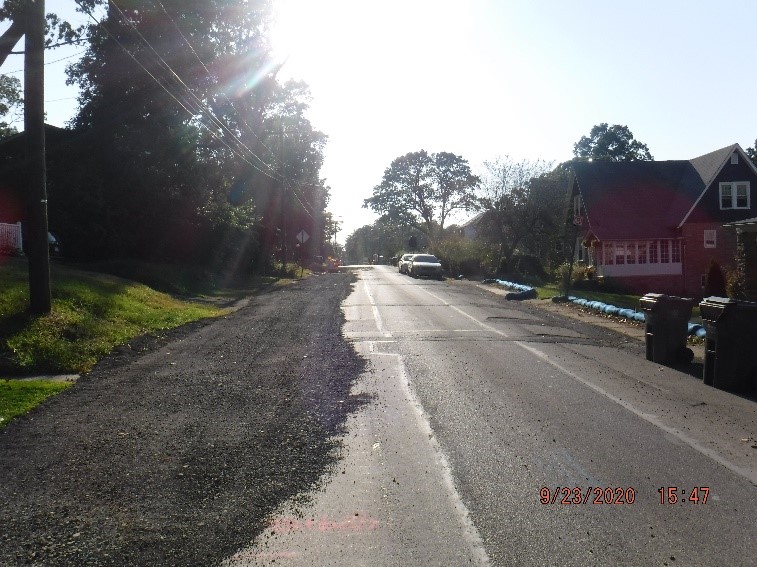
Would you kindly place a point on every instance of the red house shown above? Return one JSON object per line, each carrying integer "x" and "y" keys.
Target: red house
{"x": 655, "y": 226}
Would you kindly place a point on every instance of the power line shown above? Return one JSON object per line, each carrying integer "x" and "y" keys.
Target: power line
{"x": 197, "y": 108}
{"x": 48, "y": 63}
{"x": 200, "y": 104}
{"x": 210, "y": 75}
{"x": 171, "y": 94}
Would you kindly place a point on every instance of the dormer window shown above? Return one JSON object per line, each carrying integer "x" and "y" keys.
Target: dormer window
{"x": 735, "y": 195}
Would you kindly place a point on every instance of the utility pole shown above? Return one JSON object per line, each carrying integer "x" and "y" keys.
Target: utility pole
{"x": 34, "y": 128}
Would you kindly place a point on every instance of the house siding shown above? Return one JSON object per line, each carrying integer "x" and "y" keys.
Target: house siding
{"x": 697, "y": 258}
{"x": 708, "y": 209}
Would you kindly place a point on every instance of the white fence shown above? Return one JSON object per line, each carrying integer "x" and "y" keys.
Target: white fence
{"x": 10, "y": 237}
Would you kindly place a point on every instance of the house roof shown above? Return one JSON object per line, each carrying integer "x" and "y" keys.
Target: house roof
{"x": 645, "y": 199}
{"x": 472, "y": 221}
{"x": 634, "y": 200}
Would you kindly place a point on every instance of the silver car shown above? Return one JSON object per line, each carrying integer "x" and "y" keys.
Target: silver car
{"x": 425, "y": 265}
{"x": 404, "y": 262}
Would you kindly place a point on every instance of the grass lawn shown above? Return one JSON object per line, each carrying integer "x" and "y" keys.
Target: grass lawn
{"x": 617, "y": 299}
{"x": 19, "y": 396}
{"x": 92, "y": 313}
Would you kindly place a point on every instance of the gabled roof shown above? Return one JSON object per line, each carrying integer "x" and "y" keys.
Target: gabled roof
{"x": 473, "y": 221}
{"x": 637, "y": 199}
{"x": 709, "y": 165}
{"x": 646, "y": 199}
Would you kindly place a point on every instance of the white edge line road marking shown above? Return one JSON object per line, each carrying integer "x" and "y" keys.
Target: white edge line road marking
{"x": 470, "y": 532}
{"x": 649, "y": 418}
{"x": 376, "y": 314}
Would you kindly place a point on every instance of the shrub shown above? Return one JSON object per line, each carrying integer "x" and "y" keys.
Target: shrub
{"x": 715, "y": 281}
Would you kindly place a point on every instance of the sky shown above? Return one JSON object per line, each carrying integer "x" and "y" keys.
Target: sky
{"x": 490, "y": 78}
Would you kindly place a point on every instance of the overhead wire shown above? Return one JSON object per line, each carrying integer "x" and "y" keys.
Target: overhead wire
{"x": 231, "y": 103}
{"x": 168, "y": 91}
{"x": 200, "y": 105}
{"x": 194, "y": 108}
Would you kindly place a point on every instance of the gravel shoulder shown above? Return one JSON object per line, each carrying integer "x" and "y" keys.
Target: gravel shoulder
{"x": 175, "y": 450}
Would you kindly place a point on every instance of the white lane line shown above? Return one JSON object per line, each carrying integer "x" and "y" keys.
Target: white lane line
{"x": 649, "y": 418}
{"x": 376, "y": 314}
{"x": 470, "y": 532}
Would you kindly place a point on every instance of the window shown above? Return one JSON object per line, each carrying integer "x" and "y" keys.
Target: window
{"x": 664, "y": 251}
{"x": 710, "y": 238}
{"x": 735, "y": 195}
{"x": 620, "y": 253}
{"x": 609, "y": 253}
{"x": 630, "y": 253}
{"x": 675, "y": 256}
{"x": 653, "y": 252}
{"x": 576, "y": 206}
{"x": 642, "y": 252}
{"x": 734, "y": 158}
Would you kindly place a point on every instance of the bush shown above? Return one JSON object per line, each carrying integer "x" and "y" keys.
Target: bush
{"x": 461, "y": 256}
{"x": 715, "y": 281}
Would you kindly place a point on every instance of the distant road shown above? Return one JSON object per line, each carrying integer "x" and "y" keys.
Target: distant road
{"x": 502, "y": 434}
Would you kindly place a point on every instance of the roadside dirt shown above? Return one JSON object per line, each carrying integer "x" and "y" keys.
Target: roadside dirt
{"x": 632, "y": 329}
{"x": 175, "y": 451}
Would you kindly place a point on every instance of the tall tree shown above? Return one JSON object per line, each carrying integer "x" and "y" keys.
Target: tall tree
{"x": 421, "y": 189}
{"x": 10, "y": 100}
{"x": 614, "y": 143}
{"x": 198, "y": 152}
{"x": 518, "y": 203}
{"x": 752, "y": 153}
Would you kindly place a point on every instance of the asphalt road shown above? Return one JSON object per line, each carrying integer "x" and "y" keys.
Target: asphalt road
{"x": 502, "y": 434}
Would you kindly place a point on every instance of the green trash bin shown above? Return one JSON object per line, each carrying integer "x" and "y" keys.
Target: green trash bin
{"x": 730, "y": 350}
{"x": 667, "y": 327}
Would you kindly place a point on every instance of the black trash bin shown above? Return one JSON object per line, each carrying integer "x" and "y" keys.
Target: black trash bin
{"x": 730, "y": 349}
{"x": 666, "y": 327}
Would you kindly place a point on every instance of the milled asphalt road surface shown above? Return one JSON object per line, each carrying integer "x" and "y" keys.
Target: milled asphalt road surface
{"x": 175, "y": 451}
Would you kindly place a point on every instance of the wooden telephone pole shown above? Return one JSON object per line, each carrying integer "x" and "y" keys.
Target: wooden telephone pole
{"x": 34, "y": 127}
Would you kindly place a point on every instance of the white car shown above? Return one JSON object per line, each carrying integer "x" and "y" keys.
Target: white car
{"x": 404, "y": 263}
{"x": 425, "y": 265}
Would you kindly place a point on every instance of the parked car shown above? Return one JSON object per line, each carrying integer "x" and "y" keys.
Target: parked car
{"x": 404, "y": 262}
{"x": 425, "y": 265}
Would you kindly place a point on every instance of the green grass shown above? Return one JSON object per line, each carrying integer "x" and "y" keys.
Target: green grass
{"x": 617, "y": 299}
{"x": 92, "y": 314}
{"x": 19, "y": 396}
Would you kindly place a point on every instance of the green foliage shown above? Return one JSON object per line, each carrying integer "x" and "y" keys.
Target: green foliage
{"x": 462, "y": 256}
{"x": 518, "y": 202}
{"x": 91, "y": 315}
{"x": 614, "y": 143}
{"x": 421, "y": 190}
{"x": 736, "y": 278}
{"x": 19, "y": 396}
{"x": 10, "y": 100}
{"x": 752, "y": 153}
{"x": 221, "y": 170}
{"x": 715, "y": 281}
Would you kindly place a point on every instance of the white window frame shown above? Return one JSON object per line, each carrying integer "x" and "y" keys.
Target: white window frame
{"x": 734, "y": 158}
{"x": 732, "y": 187}
{"x": 710, "y": 238}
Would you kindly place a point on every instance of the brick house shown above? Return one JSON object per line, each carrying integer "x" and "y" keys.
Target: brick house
{"x": 655, "y": 226}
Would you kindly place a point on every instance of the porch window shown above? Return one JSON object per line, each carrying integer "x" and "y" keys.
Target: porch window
{"x": 710, "y": 238}
{"x": 642, "y": 247}
{"x": 630, "y": 252}
{"x": 676, "y": 251}
{"x": 735, "y": 195}
{"x": 609, "y": 253}
{"x": 620, "y": 253}
{"x": 653, "y": 252}
{"x": 664, "y": 251}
